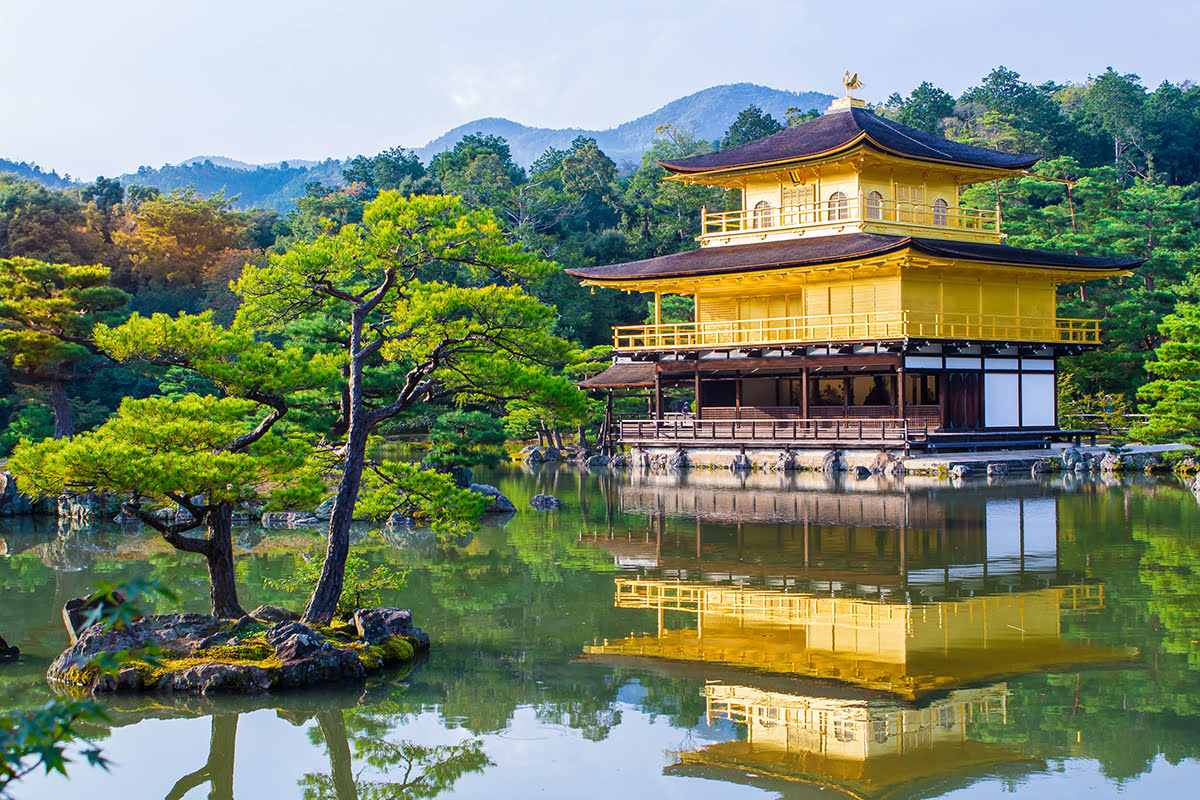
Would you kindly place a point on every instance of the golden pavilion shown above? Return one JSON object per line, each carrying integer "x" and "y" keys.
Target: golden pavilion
{"x": 850, "y": 299}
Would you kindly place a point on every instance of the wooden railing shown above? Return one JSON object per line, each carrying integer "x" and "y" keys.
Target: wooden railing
{"x": 855, "y": 327}
{"x": 683, "y": 430}
{"x": 850, "y": 209}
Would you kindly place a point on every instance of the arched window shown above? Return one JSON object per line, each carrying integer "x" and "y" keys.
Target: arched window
{"x": 763, "y": 218}
{"x": 874, "y": 206}
{"x": 844, "y": 730}
{"x": 940, "y": 212}
{"x": 839, "y": 206}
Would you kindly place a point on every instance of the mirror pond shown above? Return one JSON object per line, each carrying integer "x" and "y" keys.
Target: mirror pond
{"x": 697, "y": 635}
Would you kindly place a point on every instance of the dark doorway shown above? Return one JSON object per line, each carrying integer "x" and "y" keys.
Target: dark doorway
{"x": 714, "y": 394}
{"x": 963, "y": 408}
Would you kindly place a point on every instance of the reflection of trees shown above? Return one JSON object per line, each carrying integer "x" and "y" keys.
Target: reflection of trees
{"x": 1170, "y": 566}
{"x": 1133, "y": 539}
{"x": 218, "y": 769}
{"x": 407, "y": 769}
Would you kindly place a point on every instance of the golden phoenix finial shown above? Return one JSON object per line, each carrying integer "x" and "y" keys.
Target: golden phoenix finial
{"x": 851, "y": 82}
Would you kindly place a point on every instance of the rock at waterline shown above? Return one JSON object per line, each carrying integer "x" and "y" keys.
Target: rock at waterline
{"x": 499, "y": 504}
{"x": 545, "y": 502}
{"x": 273, "y": 614}
{"x": 324, "y": 511}
{"x": 960, "y": 471}
{"x": 376, "y": 625}
{"x": 80, "y": 613}
{"x": 289, "y": 520}
{"x": 7, "y": 651}
{"x": 741, "y": 463}
{"x": 205, "y": 654}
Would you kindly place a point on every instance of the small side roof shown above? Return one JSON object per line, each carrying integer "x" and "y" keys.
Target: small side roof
{"x": 729, "y": 259}
{"x": 633, "y": 375}
{"x": 841, "y": 130}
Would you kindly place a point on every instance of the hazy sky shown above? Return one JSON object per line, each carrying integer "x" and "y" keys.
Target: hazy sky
{"x": 100, "y": 87}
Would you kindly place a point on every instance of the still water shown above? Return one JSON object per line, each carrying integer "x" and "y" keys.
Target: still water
{"x": 703, "y": 636}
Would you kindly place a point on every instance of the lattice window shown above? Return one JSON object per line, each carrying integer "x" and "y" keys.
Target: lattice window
{"x": 718, "y": 309}
{"x": 798, "y": 205}
{"x": 909, "y": 202}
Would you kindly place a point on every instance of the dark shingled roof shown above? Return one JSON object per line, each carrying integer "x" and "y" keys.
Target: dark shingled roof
{"x": 838, "y": 130}
{"x": 622, "y": 376}
{"x": 834, "y": 249}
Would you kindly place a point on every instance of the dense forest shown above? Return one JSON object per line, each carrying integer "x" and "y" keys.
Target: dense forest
{"x": 1121, "y": 176}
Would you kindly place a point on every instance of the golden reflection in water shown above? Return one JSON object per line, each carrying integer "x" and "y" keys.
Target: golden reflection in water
{"x": 864, "y": 748}
{"x": 907, "y": 650}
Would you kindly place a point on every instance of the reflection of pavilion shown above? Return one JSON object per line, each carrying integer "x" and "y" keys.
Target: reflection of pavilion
{"x": 901, "y": 649}
{"x": 871, "y": 698}
{"x": 803, "y": 532}
{"x": 862, "y": 748}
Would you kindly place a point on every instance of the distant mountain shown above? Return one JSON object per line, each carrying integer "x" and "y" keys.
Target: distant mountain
{"x": 233, "y": 163}
{"x": 254, "y": 186}
{"x": 277, "y": 185}
{"x": 707, "y": 113}
{"x": 32, "y": 172}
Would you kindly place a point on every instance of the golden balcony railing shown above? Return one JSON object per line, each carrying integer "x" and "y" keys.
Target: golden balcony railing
{"x": 849, "y": 209}
{"x": 855, "y": 327}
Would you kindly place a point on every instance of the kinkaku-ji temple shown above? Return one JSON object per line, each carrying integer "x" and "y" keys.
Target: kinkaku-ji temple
{"x": 850, "y": 301}
{"x": 863, "y": 641}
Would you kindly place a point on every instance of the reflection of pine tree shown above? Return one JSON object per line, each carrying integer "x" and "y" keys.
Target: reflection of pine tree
{"x": 407, "y": 769}
{"x": 218, "y": 769}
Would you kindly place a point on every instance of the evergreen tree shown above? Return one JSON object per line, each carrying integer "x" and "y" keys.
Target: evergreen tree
{"x": 1172, "y": 399}
{"x": 752, "y": 123}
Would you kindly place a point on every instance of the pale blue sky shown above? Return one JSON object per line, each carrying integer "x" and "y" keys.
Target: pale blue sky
{"x": 101, "y": 87}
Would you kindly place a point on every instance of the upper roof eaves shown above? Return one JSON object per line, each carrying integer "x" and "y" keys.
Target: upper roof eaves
{"x": 841, "y": 130}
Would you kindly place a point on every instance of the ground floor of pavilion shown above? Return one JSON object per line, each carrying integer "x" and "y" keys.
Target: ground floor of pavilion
{"x": 895, "y": 394}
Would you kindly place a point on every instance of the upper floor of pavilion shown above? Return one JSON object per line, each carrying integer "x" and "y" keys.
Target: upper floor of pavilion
{"x": 848, "y": 171}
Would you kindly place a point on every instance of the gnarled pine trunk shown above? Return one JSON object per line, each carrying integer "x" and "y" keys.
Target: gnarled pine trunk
{"x": 64, "y": 425}
{"x": 219, "y": 556}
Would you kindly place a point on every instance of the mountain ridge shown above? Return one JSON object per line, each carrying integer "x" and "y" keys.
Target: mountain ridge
{"x": 706, "y": 113}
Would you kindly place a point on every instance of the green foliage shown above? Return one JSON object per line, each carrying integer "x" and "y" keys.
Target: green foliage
{"x": 395, "y": 168}
{"x": 484, "y": 341}
{"x": 160, "y": 449}
{"x": 365, "y": 583}
{"x": 429, "y": 497}
{"x": 661, "y": 216}
{"x": 47, "y": 312}
{"x": 924, "y": 109}
{"x": 1078, "y": 410}
{"x": 466, "y": 438}
{"x": 424, "y": 770}
{"x": 34, "y": 421}
{"x": 1172, "y": 398}
{"x": 751, "y": 124}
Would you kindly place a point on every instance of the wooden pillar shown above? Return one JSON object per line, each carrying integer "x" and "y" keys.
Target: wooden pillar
{"x": 696, "y": 381}
{"x": 657, "y": 308}
{"x": 737, "y": 398}
{"x": 900, "y": 389}
{"x": 804, "y": 393}
{"x": 943, "y": 399}
{"x": 608, "y": 426}
{"x": 658, "y": 394}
